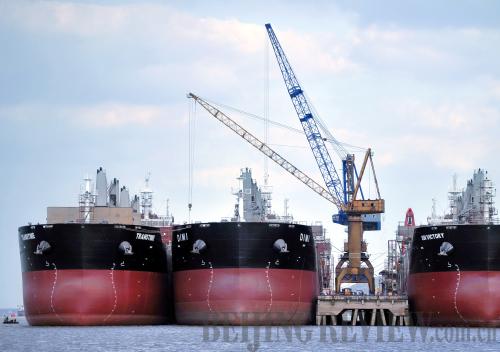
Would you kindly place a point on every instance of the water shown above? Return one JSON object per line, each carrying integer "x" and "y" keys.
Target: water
{"x": 199, "y": 339}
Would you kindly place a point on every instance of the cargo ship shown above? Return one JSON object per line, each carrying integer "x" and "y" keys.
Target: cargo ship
{"x": 259, "y": 270}
{"x": 454, "y": 274}
{"x": 96, "y": 264}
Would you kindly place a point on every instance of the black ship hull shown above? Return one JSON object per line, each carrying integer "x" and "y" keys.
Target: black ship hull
{"x": 454, "y": 276}
{"x": 93, "y": 274}
{"x": 244, "y": 273}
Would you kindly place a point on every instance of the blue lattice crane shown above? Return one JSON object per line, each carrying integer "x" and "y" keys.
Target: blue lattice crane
{"x": 304, "y": 112}
{"x": 354, "y": 213}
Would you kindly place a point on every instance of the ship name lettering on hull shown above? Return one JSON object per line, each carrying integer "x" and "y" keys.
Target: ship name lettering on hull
{"x": 304, "y": 237}
{"x": 143, "y": 236}
{"x": 182, "y": 237}
{"x": 432, "y": 236}
{"x": 28, "y": 236}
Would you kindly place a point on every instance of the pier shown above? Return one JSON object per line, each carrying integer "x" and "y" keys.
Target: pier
{"x": 362, "y": 310}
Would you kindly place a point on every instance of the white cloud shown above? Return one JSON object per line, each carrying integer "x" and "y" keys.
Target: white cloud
{"x": 491, "y": 87}
{"x": 102, "y": 115}
{"x": 216, "y": 176}
{"x": 225, "y": 51}
{"x": 310, "y": 52}
{"x": 455, "y": 135}
{"x": 167, "y": 27}
{"x": 459, "y": 152}
{"x": 71, "y": 18}
{"x": 112, "y": 115}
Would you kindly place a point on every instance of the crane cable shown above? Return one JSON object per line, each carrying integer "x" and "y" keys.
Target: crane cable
{"x": 191, "y": 157}
{"x": 352, "y": 147}
{"x": 266, "y": 108}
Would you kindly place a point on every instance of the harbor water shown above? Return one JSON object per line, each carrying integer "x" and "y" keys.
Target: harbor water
{"x": 22, "y": 337}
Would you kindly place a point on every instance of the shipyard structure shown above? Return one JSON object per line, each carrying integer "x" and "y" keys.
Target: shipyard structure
{"x": 111, "y": 260}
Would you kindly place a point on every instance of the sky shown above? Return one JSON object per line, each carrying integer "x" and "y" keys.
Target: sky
{"x": 85, "y": 84}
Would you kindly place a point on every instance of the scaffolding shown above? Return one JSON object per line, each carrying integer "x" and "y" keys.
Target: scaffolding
{"x": 397, "y": 263}
{"x": 324, "y": 258}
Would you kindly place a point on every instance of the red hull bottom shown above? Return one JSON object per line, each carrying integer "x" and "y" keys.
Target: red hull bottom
{"x": 466, "y": 298}
{"x": 241, "y": 296}
{"x": 94, "y": 297}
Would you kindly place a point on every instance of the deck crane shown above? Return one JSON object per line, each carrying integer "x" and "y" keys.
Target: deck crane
{"x": 354, "y": 254}
{"x": 352, "y": 212}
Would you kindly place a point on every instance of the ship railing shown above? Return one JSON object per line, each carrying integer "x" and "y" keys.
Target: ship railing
{"x": 476, "y": 221}
{"x": 156, "y": 222}
{"x": 104, "y": 222}
{"x": 83, "y": 222}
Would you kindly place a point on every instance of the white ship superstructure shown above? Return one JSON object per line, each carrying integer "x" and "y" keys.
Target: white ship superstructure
{"x": 110, "y": 204}
{"x": 472, "y": 205}
{"x": 475, "y": 204}
{"x": 256, "y": 202}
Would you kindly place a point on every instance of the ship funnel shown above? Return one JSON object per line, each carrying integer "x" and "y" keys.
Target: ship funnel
{"x": 114, "y": 196}
{"x": 124, "y": 198}
{"x": 147, "y": 199}
{"x": 86, "y": 201}
{"x": 253, "y": 202}
{"x": 135, "y": 204}
{"x": 101, "y": 185}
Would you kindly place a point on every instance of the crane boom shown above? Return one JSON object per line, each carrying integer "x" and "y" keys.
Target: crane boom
{"x": 266, "y": 150}
{"x": 308, "y": 122}
{"x": 341, "y": 188}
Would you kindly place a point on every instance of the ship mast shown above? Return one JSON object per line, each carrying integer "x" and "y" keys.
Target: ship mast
{"x": 86, "y": 202}
{"x": 146, "y": 198}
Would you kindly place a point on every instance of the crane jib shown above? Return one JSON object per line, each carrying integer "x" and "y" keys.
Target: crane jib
{"x": 304, "y": 112}
{"x": 341, "y": 189}
{"x": 266, "y": 150}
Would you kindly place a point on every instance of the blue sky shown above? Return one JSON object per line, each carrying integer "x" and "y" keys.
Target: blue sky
{"x": 103, "y": 83}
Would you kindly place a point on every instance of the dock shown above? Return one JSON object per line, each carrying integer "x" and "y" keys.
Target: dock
{"x": 363, "y": 310}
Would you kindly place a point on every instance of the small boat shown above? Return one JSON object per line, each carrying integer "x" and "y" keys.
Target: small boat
{"x": 10, "y": 319}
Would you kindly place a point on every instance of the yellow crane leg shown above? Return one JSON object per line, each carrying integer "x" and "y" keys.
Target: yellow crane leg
{"x": 354, "y": 257}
